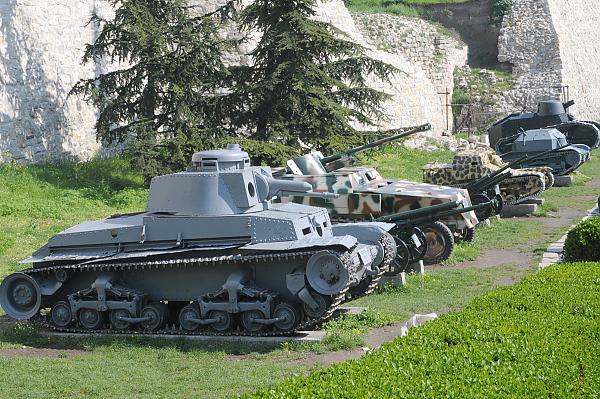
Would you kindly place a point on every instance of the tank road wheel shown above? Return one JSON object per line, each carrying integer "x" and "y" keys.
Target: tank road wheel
{"x": 225, "y": 320}
{"x": 20, "y": 296}
{"x": 187, "y": 313}
{"x": 90, "y": 319}
{"x": 247, "y": 321}
{"x": 322, "y": 306}
{"x": 440, "y": 243}
{"x": 402, "y": 258}
{"x": 114, "y": 316}
{"x": 61, "y": 314}
{"x": 157, "y": 314}
{"x": 289, "y": 315}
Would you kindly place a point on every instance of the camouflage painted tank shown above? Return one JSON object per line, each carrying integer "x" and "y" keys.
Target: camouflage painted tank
{"x": 550, "y": 114}
{"x": 470, "y": 165}
{"x": 211, "y": 250}
{"x": 364, "y": 194}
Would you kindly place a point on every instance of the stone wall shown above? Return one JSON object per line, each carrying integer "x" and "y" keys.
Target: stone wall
{"x": 41, "y": 44}
{"x": 552, "y": 43}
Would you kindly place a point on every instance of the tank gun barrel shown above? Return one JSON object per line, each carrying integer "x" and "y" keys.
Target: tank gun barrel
{"x": 434, "y": 209}
{"x": 432, "y": 213}
{"x": 376, "y": 143}
{"x": 499, "y": 175}
{"x": 568, "y": 104}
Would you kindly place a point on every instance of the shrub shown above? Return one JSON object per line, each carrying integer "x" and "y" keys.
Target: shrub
{"x": 499, "y": 9}
{"x": 537, "y": 339}
{"x": 583, "y": 241}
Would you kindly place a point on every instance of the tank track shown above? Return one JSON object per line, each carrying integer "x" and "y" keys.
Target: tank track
{"x": 388, "y": 244}
{"x": 515, "y": 179}
{"x": 523, "y": 179}
{"x": 43, "y": 320}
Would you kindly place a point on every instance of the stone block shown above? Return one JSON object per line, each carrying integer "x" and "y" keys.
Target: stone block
{"x": 395, "y": 281}
{"x": 563, "y": 181}
{"x": 519, "y": 210}
{"x": 537, "y": 201}
{"x": 418, "y": 268}
{"x": 355, "y": 310}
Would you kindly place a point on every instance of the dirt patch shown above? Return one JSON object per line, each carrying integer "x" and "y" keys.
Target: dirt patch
{"x": 45, "y": 353}
{"x": 563, "y": 218}
{"x": 585, "y": 197}
{"x": 594, "y": 183}
{"x": 490, "y": 258}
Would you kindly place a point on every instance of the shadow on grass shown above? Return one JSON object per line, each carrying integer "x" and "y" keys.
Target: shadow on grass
{"x": 27, "y": 334}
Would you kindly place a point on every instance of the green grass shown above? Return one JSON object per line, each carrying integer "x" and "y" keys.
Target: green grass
{"x": 539, "y": 338}
{"x": 400, "y": 162}
{"x": 404, "y": 7}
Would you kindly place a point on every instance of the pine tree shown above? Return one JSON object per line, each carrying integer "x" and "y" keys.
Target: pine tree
{"x": 165, "y": 102}
{"x": 308, "y": 79}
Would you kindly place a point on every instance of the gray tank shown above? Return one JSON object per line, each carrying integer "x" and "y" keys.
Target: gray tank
{"x": 550, "y": 114}
{"x": 211, "y": 250}
{"x": 556, "y": 151}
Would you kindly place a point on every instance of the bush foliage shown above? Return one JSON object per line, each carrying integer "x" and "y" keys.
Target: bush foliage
{"x": 539, "y": 338}
{"x": 583, "y": 241}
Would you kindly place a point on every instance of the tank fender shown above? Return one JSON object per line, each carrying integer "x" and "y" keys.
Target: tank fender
{"x": 366, "y": 233}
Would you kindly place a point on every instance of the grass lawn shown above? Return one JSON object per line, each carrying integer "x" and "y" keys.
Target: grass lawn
{"x": 536, "y": 339}
{"x": 38, "y": 201}
{"x": 404, "y": 7}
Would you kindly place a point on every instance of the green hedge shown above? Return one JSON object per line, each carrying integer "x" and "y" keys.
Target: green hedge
{"x": 537, "y": 339}
{"x": 583, "y": 241}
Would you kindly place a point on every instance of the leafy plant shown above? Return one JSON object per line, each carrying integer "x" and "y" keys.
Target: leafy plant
{"x": 538, "y": 338}
{"x": 308, "y": 80}
{"x": 499, "y": 9}
{"x": 583, "y": 241}
{"x": 166, "y": 95}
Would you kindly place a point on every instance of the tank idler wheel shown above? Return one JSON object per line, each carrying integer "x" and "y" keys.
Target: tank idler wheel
{"x": 61, "y": 314}
{"x": 20, "y": 296}
{"x": 323, "y": 303}
{"x": 440, "y": 243}
{"x": 157, "y": 314}
{"x": 114, "y": 316}
{"x": 90, "y": 319}
{"x": 247, "y": 321}
{"x": 225, "y": 321}
{"x": 289, "y": 315}
{"x": 188, "y": 313}
{"x": 402, "y": 259}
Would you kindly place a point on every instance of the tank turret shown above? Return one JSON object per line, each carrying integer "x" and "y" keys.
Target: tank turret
{"x": 211, "y": 250}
